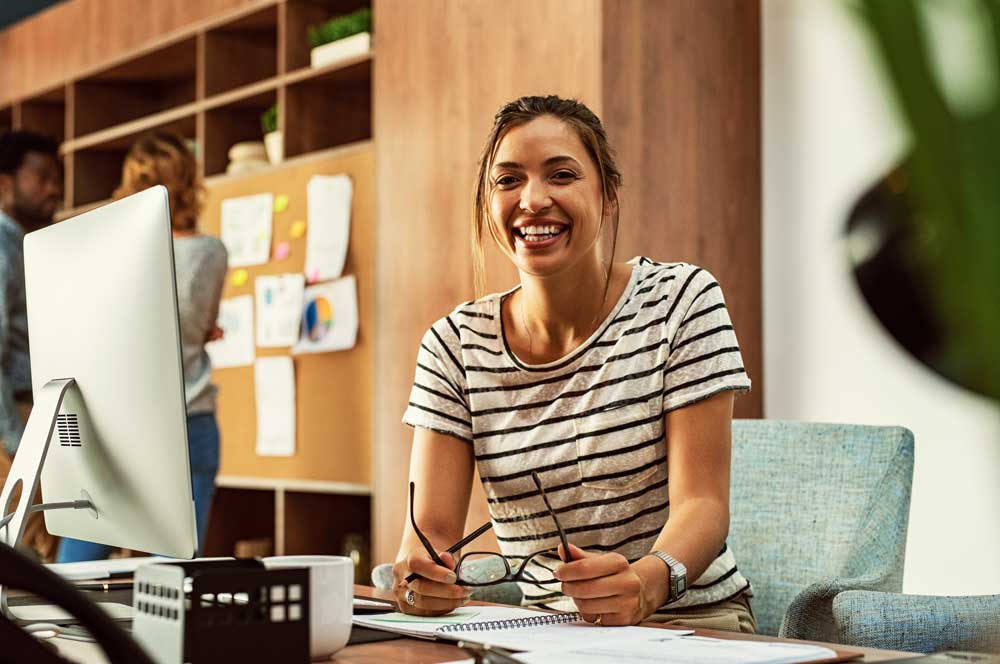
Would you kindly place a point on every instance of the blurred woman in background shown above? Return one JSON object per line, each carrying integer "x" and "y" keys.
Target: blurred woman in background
{"x": 200, "y": 263}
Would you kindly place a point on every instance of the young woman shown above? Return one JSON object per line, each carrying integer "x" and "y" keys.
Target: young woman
{"x": 609, "y": 385}
{"x": 200, "y": 266}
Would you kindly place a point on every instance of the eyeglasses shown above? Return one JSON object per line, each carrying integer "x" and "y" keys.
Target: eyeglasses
{"x": 496, "y": 567}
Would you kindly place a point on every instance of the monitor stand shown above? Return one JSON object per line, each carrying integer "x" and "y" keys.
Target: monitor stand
{"x": 27, "y": 467}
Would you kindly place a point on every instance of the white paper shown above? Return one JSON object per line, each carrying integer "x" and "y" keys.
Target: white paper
{"x": 329, "y": 207}
{"x": 426, "y": 627}
{"x": 329, "y": 318}
{"x": 566, "y": 637}
{"x": 274, "y": 389}
{"x": 279, "y": 309}
{"x": 235, "y": 348}
{"x": 246, "y": 229}
{"x": 684, "y": 650}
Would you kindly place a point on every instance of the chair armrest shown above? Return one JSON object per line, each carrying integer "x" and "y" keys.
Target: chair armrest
{"x": 810, "y": 614}
{"x": 917, "y": 623}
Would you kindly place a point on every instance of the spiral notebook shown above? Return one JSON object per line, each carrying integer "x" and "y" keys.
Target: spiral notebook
{"x": 507, "y": 627}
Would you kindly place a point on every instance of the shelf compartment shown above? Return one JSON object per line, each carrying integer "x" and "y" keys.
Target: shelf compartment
{"x": 98, "y": 169}
{"x": 303, "y": 13}
{"x": 322, "y": 523}
{"x": 328, "y": 108}
{"x": 238, "y": 514}
{"x": 45, "y": 114}
{"x": 146, "y": 85}
{"x": 242, "y": 52}
{"x": 230, "y": 124}
{"x": 6, "y": 118}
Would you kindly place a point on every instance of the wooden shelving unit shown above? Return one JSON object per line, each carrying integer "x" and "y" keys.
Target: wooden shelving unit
{"x": 211, "y": 82}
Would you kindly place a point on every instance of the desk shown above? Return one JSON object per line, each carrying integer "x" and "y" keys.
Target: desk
{"x": 418, "y": 651}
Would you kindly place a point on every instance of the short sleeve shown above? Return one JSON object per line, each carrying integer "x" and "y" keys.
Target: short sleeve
{"x": 438, "y": 400}
{"x": 704, "y": 357}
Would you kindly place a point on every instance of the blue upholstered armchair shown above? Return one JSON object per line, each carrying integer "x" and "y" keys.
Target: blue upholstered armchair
{"x": 918, "y": 623}
{"x": 817, "y": 509}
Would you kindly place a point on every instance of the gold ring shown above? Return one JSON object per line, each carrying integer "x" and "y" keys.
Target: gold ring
{"x": 411, "y": 597}
{"x": 597, "y": 620}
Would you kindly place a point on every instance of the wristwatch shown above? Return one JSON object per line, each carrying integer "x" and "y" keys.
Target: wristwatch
{"x": 678, "y": 575}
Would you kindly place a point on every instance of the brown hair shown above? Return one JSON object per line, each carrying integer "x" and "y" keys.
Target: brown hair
{"x": 164, "y": 158}
{"x": 519, "y": 112}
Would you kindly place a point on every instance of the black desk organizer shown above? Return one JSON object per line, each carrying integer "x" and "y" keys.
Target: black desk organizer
{"x": 221, "y": 611}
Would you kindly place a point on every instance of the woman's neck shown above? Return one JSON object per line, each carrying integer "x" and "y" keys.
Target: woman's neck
{"x": 178, "y": 233}
{"x": 551, "y": 316}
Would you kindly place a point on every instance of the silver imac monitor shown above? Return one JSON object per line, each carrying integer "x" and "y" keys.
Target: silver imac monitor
{"x": 108, "y": 430}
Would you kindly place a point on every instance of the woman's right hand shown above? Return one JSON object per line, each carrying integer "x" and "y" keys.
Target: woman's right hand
{"x": 434, "y": 591}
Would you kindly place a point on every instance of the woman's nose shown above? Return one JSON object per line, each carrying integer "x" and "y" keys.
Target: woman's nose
{"x": 535, "y": 198}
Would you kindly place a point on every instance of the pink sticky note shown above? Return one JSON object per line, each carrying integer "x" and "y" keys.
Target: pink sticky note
{"x": 282, "y": 251}
{"x": 313, "y": 276}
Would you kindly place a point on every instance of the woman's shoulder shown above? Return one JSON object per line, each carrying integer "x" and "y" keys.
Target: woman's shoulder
{"x": 469, "y": 321}
{"x": 651, "y": 271}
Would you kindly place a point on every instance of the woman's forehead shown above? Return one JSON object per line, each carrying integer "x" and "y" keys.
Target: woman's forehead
{"x": 539, "y": 139}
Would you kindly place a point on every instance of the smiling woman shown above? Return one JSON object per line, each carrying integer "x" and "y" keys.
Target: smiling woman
{"x": 584, "y": 378}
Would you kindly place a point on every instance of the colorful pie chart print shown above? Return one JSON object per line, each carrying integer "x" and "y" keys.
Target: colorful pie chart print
{"x": 318, "y": 318}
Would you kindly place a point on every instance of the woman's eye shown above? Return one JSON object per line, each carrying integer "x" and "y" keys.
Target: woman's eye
{"x": 564, "y": 176}
{"x": 505, "y": 180}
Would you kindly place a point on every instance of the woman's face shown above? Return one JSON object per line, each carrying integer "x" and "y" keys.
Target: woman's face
{"x": 545, "y": 199}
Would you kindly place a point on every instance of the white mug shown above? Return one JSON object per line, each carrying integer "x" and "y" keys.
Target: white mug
{"x": 331, "y": 603}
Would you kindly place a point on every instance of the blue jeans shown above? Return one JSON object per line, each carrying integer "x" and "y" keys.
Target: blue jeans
{"x": 203, "y": 450}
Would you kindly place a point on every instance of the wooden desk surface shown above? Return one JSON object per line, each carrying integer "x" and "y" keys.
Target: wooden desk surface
{"x": 417, "y": 651}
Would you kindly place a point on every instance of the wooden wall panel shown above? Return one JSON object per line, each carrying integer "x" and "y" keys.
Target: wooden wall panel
{"x": 77, "y": 35}
{"x": 682, "y": 105}
{"x": 442, "y": 68}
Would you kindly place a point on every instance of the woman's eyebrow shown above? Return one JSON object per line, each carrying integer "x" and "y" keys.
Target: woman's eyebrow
{"x": 548, "y": 162}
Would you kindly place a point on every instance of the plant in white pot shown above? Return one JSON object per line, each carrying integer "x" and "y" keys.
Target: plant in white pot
{"x": 273, "y": 144}
{"x": 341, "y": 37}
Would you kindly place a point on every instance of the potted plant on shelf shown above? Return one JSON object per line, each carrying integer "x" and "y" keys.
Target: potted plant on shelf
{"x": 273, "y": 144}
{"x": 341, "y": 37}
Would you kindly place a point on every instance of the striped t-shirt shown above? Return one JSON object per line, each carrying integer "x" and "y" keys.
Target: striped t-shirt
{"x": 591, "y": 424}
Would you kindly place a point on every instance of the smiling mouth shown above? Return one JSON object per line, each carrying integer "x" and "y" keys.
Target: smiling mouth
{"x": 538, "y": 234}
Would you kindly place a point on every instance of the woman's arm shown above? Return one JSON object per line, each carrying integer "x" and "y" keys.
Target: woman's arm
{"x": 441, "y": 468}
{"x": 699, "y": 441}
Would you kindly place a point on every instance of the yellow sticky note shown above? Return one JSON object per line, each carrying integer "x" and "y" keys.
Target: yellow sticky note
{"x": 281, "y": 202}
{"x": 239, "y": 278}
{"x": 298, "y": 229}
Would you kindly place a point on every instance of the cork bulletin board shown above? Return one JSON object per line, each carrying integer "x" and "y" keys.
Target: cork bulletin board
{"x": 333, "y": 391}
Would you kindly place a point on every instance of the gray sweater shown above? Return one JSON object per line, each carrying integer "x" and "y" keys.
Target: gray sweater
{"x": 200, "y": 262}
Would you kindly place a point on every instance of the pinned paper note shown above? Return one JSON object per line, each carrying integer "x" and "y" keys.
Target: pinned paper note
{"x": 282, "y": 251}
{"x": 329, "y": 208}
{"x": 274, "y": 389}
{"x": 279, "y": 307}
{"x": 281, "y": 203}
{"x": 235, "y": 348}
{"x": 329, "y": 317}
{"x": 298, "y": 229}
{"x": 246, "y": 229}
{"x": 239, "y": 278}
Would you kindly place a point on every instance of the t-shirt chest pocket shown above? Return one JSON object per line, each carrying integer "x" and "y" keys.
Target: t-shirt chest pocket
{"x": 618, "y": 449}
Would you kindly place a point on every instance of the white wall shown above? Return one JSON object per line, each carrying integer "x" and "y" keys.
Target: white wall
{"x": 828, "y": 132}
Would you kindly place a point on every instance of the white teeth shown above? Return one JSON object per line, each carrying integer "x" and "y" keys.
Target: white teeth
{"x": 540, "y": 230}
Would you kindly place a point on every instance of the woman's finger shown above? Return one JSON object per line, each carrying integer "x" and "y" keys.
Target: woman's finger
{"x": 429, "y": 588}
{"x": 437, "y": 604}
{"x": 592, "y": 567}
{"x": 603, "y": 605}
{"x": 429, "y": 569}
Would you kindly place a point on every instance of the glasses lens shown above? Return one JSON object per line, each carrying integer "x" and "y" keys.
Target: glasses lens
{"x": 482, "y": 569}
{"x": 538, "y": 569}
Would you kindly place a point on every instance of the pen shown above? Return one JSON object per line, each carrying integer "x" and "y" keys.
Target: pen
{"x": 459, "y": 544}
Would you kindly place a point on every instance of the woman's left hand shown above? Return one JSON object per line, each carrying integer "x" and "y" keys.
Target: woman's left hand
{"x": 606, "y": 586}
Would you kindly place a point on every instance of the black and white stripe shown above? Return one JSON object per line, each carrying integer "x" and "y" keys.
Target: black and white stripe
{"x": 591, "y": 424}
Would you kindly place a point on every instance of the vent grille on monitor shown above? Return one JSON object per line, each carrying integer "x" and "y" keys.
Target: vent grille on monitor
{"x": 69, "y": 430}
